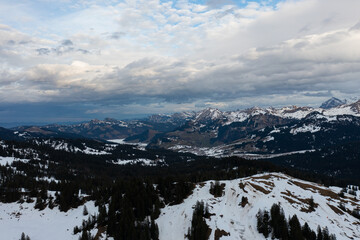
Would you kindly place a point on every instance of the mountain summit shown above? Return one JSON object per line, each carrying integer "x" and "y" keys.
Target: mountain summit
{"x": 331, "y": 103}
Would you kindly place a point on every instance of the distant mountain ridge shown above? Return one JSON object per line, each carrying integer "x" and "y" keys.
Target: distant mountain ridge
{"x": 242, "y": 131}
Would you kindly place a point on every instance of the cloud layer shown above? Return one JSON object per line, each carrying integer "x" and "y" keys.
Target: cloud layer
{"x": 123, "y": 58}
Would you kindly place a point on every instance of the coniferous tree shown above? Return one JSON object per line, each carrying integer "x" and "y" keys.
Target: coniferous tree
{"x": 295, "y": 232}
{"x": 263, "y": 221}
{"x": 24, "y": 237}
{"x": 102, "y": 215}
{"x": 39, "y": 203}
{"x": 308, "y": 233}
{"x": 312, "y": 204}
{"x": 278, "y": 222}
{"x": 154, "y": 230}
{"x": 216, "y": 189}
{"x": 319, "y": 234}
{"x": 199, "y": 230}
{"x": 266, "y": 223}
{"x": 85, "y": 211}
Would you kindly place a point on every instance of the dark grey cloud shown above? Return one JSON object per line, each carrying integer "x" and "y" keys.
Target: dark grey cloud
{"x": 83, "y": 51}
{"x": 11, "y": 42}
{"x": 117, "y": 35}
{"x": 43, "y": 51}
{"x": 66, "y": 46}
{"x": 67, "y": 42}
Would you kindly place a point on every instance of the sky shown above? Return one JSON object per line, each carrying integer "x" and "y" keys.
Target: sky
{"x": 68, "y": 61}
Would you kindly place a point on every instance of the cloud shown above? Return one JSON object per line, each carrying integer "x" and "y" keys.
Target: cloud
{"x": 43, "y": 51}
{"x": 117, "y": 35}
{"x": 178, "y": 55}
{"x": 219, "y": 3}
{"x": 67, "y": 42}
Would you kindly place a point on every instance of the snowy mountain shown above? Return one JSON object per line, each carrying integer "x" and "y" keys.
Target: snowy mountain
{"x": 265, "y": 131}
{"x": 144, "y": 179}
{"x": 237, "y": 220}
{"x": 233, "y": 212}
{"x": 133, "y": 192}
{"x": 212, "y": 131}
{"x": 206, "y": 119}
{"x": 331, "y": 103}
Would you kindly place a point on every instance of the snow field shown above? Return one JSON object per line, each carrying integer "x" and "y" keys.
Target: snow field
{"x": 262, "y": 192}
{"x": 51, "y": 224}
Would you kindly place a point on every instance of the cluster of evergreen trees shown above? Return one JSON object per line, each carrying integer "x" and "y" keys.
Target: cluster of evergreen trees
{"x": 199, "y": 230}
{"x": 275, "y": 224}
{"x": 129, "y": 197}
{"x": 216, "y": 189}
{"x": 24, "y": 237}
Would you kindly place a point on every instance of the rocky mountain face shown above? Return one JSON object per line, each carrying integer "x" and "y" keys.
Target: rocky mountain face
{"x": 332, "y": 102}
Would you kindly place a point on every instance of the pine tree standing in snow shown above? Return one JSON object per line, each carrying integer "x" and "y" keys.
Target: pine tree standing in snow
{"x": 266, "y": 224}
{"x": 23, "y": 237}
{"x": 154, "y": 230}
{"x": 308, "y": 233}
{"x": 319, "y": 234}
{"x": 278, "y": 222}
{"x": 199, "y": 230}
{"x": 85, "y": 211}
{"x": 263, "y": 220}
{"x": 312, "y": 204}
{"x": 295, "y": 229}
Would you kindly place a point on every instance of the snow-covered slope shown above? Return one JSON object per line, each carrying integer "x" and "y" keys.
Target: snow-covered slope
{"x": 52, "y": 224}
{"x": 333, "y": 107}
{"x": 227, "y": 213}
{"x": 262, "y": 191}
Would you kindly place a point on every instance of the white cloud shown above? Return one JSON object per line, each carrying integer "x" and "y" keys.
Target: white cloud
{"x": 184, "y": 54}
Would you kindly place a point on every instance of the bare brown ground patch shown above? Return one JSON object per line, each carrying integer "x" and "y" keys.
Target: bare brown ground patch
{"x": 259, "y": 188}
{"x": 202, "y": 185}
{"x": 269, "y": 184}
{"x": 306, "y": 201}
{"x": 265, "y": 177}
{"x": 268, "y": 176}
{"x": 305, "y": 210}
{"x": 290, "y": 200}
{"x": 336, "y": 209}
{"x": 322, "y": 191}
{"x": 242, "y": 186}
{"x": 220, "y": 233}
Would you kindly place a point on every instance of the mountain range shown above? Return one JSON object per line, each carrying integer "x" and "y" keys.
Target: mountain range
{"x": 214, "y": 132}
{"x": 177, "y": 176}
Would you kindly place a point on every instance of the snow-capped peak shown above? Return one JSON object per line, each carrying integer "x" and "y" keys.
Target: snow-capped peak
{"x": 331, "y": 103}
{"x": 208, "y": 114}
